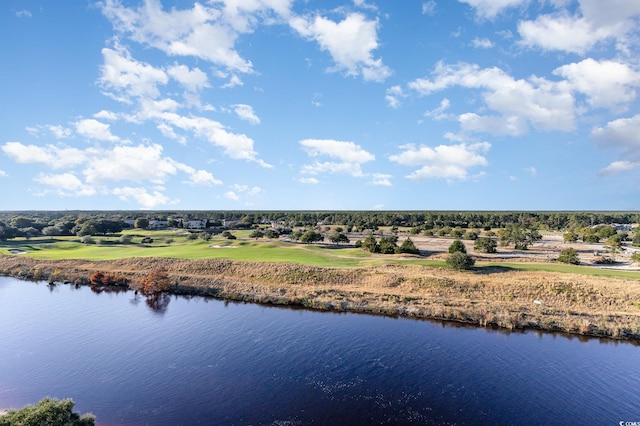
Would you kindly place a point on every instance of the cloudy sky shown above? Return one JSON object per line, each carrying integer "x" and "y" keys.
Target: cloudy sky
{"x": 308, "y": 104}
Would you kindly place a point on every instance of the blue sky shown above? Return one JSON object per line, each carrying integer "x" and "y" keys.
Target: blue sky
{"x": 326, "y": 105}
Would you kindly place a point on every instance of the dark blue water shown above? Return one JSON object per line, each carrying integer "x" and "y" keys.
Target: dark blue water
{"x": 198, "y": 361}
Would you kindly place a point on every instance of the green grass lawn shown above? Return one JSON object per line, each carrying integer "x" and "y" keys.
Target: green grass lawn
{"x": 178, "y": 245}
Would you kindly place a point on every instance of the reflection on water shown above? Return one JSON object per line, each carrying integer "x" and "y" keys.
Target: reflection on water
{"x": 200, "y": 361}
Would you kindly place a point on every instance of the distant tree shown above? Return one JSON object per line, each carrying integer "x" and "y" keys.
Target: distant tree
{"x": 311, "y": 236}
{"x": 30, "y": 232}
{"x": 53, "y": 231}
{"x": 388, "y": 244}
{"x": 457, "y": 233}
{"x": 228, "y": 235}
{"x": 614, "y": 245}
{"x": 338, "y": 237}
{"x": 371, "y": 245}
{"x": 636, "y": 239}
{"x": 485, "y": 245}
{"x": 522, "y": 236}
{"x": 460, "y": 261}
{"x": 47, "y": 412}
{"x": 272, "y": 233}
{"x": 256, "y": 233}
{"x": 590, "y": 237}
{"x": 141, "y": 223}
{"x": 408, "y": 247}
{"x": 471, "y": 235}
{"x": 635, "y": 257}
{"x": 457, "y": 247}
{"x": 570, "y": 236}
{"x": 149, "y": 240}
{"x": 570, "y": 256}
{"x": 606, "y": 231}
{"x": 205, "y": 236}
{"x": 21, "y": 222}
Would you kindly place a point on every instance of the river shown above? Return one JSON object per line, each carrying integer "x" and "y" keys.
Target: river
{"x": 194, "y": 361}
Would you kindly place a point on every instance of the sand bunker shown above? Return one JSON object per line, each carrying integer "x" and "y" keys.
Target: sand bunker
{"x": 16, "y": 251}
{"x": 222, "y": 247}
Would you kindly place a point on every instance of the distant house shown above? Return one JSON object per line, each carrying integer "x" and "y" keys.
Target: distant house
{"x": 195, "y": 224}
{"x": 158, "y": 224}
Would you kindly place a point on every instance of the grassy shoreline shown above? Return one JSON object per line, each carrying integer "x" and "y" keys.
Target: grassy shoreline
{"x": 491, "y": 296}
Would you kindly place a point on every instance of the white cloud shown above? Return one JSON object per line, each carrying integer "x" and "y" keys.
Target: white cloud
{"x": 3, "y": 173}
{"x": 394, "y": 96}
{"x": 345, "y": 151}
{"x": 381, "y": 179}
{"x": 429, "y": 7}
{"x": 50, "y": 155}
{"x": 482, "y": 43}
{"x": 350, "y": 43}
{"x": 489, "y": 9}
{"x": 168, "y": 132}
{"x": 129, "y": 78}
{"x": 24, "y": 13}
{"x": 198, "y": 177}
{"x": 531, "y": 170}
{"x": 443, "y": 161}
{"x": 142, "y": 196}
{"x": 65, "y": 184}
{"x": 439, "y": 112}
{"x": 106, "y": 115}
{"x": 231, "y": 196}
{"x": 94, "y": 129}
{"x": 193, "y": 80}
{"x": 60, "y": 132}
{"x": 607, "y": 84}
{"x": 350, "y": 156}
{"x": 132, "y": 163}
{"x": 619, "y": 167}
{"x": 207, "y": 32}
{"x": 236, "y": 146}
{"x": 621, "y": 133}
{"x": 309, "y": 180}
{"x": 245, "y": 112}
{"x": 595, "y": 22}
{"x": 536, "y": 102}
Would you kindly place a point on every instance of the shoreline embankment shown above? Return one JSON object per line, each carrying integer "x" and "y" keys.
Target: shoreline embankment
{"x": 513, "y": 300}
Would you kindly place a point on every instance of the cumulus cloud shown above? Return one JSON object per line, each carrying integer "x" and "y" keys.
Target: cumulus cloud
{"x": 96, "y": 130}
{"x": 245, "y": 112}
{"x": 231, "y": 196}
{"x": 24, "y": 13}
{"x": 489, "y": 9}
{"x": 518, "y": 104}
{"x": 207, "y": 31}
{"x": 65, "y": 184}
{"x": 619, "y": 167}
{"x": 349, "y": 155}
{"x": 147, "y": 200}
{"x": 3, "y": 173}
{"x": 429, "y": 7}
{"x": 394, "y": 96}
{"x": 594, "y": 22}
{"x": 125, "y": 78}
{"x": 482, "y": 43}
{"x": 49, "y": 155}
{"x": 381, "y": 179}
{"x": 350, "y": 43}
{"x": 451, "y": 162}
{"x": 142, "y": 164}
{"x": 192, "y": 79}
{"x": 607, "y": 84}
{"x": 621, "y": 133}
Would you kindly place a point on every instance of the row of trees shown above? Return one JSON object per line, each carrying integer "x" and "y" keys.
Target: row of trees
{"x": 351, "y": 220}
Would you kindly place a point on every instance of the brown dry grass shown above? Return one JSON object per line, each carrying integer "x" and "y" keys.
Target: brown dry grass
{"x": 563, "y": 302}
